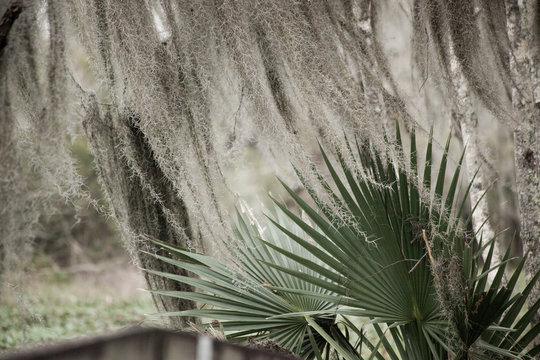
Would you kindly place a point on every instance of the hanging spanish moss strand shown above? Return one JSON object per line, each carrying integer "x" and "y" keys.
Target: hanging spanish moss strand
{"x": 183, "y": 86}
{"x": 36, "y": 128}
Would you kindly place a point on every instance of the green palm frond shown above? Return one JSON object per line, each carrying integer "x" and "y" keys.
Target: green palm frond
{"x": 383, "y": 247}
{"x": 252, "y": 300}
{"x": 376, "y": 245}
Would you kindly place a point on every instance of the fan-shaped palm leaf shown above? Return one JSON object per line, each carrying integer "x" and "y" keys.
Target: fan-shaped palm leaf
{"x": 248, "y": 297}
{"x": 380, "y": 243}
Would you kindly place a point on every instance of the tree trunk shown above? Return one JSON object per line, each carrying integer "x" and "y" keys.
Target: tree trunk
{"x": 465, "y": 118}
{"x": 6, "y": 22}
{"x": 142, "y": 198}
{"x": 522, "y": 27}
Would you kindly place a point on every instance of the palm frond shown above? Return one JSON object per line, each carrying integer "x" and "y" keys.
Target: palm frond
{"x": 382, "y": 247}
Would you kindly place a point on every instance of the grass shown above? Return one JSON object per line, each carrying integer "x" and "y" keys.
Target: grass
{"x": 61, "y": 304}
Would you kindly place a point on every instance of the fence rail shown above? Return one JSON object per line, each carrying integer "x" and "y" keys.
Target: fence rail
{"x": 145, "y": 344}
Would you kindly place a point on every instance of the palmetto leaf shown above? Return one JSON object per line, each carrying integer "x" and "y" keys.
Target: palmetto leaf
{"x": 380, "y": 244}
{"x": 250, "y": 299}
{"x": 380, "y": 225}
{"x": 377, "y": 241}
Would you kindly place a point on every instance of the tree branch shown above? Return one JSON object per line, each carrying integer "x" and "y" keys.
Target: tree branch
{"x": 9, "y": 17}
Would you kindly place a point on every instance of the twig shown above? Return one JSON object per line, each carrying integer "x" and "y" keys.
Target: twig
{"x": 431, "y": 259}
{"x": 427, "y": 63}
{"x": 237, "y": 112}
{"x": 417, "y": 263}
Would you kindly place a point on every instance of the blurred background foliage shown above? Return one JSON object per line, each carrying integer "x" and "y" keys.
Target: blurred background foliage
{"x": 79, "y": 279}
{"x": 78, "y": 233}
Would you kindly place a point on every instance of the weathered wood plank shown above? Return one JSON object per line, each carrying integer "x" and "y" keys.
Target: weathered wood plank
{"x": 144, "y": 344}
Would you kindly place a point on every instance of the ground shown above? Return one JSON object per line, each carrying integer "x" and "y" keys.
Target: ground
{"x": 55, "y": 304}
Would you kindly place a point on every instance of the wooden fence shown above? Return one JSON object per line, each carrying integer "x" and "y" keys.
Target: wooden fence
{"x": 145, "y": 344}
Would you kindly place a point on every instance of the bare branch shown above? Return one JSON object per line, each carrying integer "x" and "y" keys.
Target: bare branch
{"x": 9, "y": 17}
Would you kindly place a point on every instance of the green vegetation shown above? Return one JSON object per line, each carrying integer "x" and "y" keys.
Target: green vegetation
{"x": 76, "y": 280}
{"x": 57, "y": 305}
{"x": 376, "y": 251}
